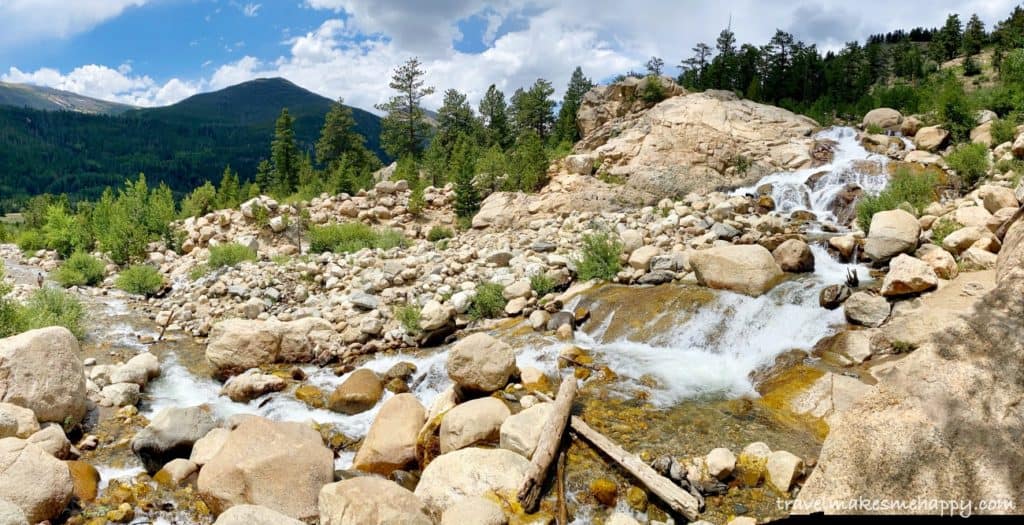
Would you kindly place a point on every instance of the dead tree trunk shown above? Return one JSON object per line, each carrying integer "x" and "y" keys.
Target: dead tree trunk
{"x": 547, "y": 448}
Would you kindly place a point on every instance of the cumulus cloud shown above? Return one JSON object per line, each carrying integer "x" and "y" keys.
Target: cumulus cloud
{"x": 27, "y": 21}
{"x": 102, "y": 82}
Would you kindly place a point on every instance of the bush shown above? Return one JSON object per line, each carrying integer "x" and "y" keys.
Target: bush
{"x": 141, "y": 279}
{"x": 942, "y": 228}
{"x": 970, "y": 161}
{"x": 81, "y": 269}
{"x": 31, "y": 240}
{"x": 600, "y": 257}
{"x": 488, "y": 303}
{"x": 439, "y": 232}
{"x": 409, "y": 317}
{"x": 874, "y": 129}
{"x": 53, "y": 307}
{"x": 229, "y": 254}
{"x": 955, "y": 109}
{"x": 542, "y": 284}
{"x": 1003, "y": 130}
{"x": 352, "y": 237}
{"x": 652, "y": 91}
{"x": 905, "y": 187}
{"x": 1014, "y": 165}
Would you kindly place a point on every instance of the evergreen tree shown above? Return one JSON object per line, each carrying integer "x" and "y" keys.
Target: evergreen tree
{"x": 494, "y": 117}
{"x": 565, "y": 127}
{"x": 454, "y": 119}
{"x": 491, "y": 169}
{"x": 949, "y": 40}
{"x": 974, "y": 36}
{"x": 435, "y": 163}
{"x": 654, "y": 66}
{"x": 460, "y": 172}
{"x": 724, "y": 67}
{"x": 528, "y": 163}
{"x": 534, "y": 109}
{"x": 284, "y": 153}
{"x": 229, "y": 191}
{"x": 404, "y": 130}
{"x": 265, "y": 179}
{"x": 694, "y": 69}
{"x": 338, "y": 135}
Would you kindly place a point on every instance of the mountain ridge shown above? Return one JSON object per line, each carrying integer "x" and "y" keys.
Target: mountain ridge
{"x": 49, "y": 99}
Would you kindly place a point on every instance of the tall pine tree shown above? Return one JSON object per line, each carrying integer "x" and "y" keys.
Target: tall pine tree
{"x": 284, "y": 153}
{"x": 404, "y": 131}
{"x": 565, "y": 127}
{"x": 494, "y": 117}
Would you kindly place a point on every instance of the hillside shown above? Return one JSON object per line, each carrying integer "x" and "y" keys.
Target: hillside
{"x": 182, "y": 144}
{"x": 49, "y": 99}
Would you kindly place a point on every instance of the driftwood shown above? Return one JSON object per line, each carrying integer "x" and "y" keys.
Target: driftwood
{"x": 170, "y": 319}
{"x": 563, "y": 512}
{"x": 548, "y": 446}
{"x": 677, "y": 499}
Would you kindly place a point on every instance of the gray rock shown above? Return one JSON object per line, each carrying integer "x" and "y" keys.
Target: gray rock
{"x": 171, "y": 434}
{"x": 866, "y": 309}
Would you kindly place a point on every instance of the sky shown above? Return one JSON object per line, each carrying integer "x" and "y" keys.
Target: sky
{"x": 157, "y": 52}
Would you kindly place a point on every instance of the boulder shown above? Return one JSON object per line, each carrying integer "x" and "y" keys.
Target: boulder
{"x": 370, "y": 501}
{"x": 996, "y": 198}
{"x": 435, "y": 316}
{"x": 472, "y": 423}
{"x": 53, "y": 440}
{"x": 360, "y": 391}
{"x": 971, "y": 216}
{"x": 42, "y": 371}
{"x": 866, "y": 309}
{"x": 38, "y": 483}
{"x": 962, "y": 239}
{"x": 982, "y": 134}
{"x": 520, "y": 433}
{"x": 470, "y": 472}
{"x": 891, "y": 233}
{"x": 940, "y": 261}
{"x": 910, "y": 126}
{"x": 16, "y": 421}
{"x": 885, "y": 118}
{"x": 640, "y": 259}
{"x": 978, "y": 259}
{"x": 254, "y": 515}
{"x": 207, "y": 447}
{"x": 747, "y": 269}
{"x": 931, "y": 138}
{"x": 518, "y": 289}
{"x": 176, "y": 472}
{"x": 278, "y": 465}
{"x": 11, "y": 514}
{"x": 794, "y": 255}
{"x": 236, "y": 345}
{"x": 908, "y": 275}
{"x": 619, "y": 518}
{"x": 171, "y": 434}
{"x": 250, "y": 385}
{"x": 783, "y": 469}
{"x": 720, "y": 463}
{"x": 474, "y": 511}
{"x": 390, "y": 444}
{"x": 750, "y": 465}
{"x": 1018, "y": 146}
{"x": 84, "y": 478}
{"x": 631, "y": 240}
{"x": 120, "y": 395}
{"x": 481, "y": 363}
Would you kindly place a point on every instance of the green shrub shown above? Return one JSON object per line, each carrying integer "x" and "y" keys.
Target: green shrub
{"x": 1014, "y": 165}
{"x": 942, "y": 228}
{"x": 652, "y": 91}
{"x": 874, "y": 129}
{"x": 54, "y": 307}
{"x": 260, "y": 215}
{"x": 970, "y": 161}
{"x": 599, "y": 258}
{"x": 10, "y": 320}
{"x": 955, "y": 109}
{"x": 542, "y": 284}
{"x": 351, "y": 237}
{"x": 63, "y": 232}
{"x": 439, "y": 232}
{"x": 198, "y": 272}
{"x": 201, "y": 201}
{"x": 488, "y": 302}
{"x": 1003, "y": 130}
{"x": 229, "y": 254}
{"x": 31, "y": 241}
{"x": 141, "y": 279}
{"x": 905, "y": 187}
{"x": 81, "y": 269}
{"x": 409, "y": 317}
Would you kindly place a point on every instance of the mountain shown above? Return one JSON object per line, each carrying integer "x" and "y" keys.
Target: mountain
{"x": 49, "y": 99}
{"x": 182, "y": 144}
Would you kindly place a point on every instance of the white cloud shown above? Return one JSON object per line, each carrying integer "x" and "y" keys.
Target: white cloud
{"x": 251, "y": 9}
{"x": 27, "y": 21}
{"x": 106, "y": 83}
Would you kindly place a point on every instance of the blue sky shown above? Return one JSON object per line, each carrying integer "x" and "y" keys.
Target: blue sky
{"x": 154, "y": 52}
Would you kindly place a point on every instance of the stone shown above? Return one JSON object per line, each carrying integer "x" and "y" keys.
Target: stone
{"x": 171, "y": 434}
{"x": 720, "y": 463}
{"x": 140, "y": 369}
{"x": 84, "y": 478}
{"x": 206, "y": 447}
{"x": 38, "y": 483}
{"x": 518, "y": 289}
{"x": 16, "y": 421}
{"x": 435, "y": 316}
{"x": 866, "y": 309}
{"x": 254, "y": 515}
{"x": 390, "y": 444}
{"x": 833, "y": 296}
{"x": 794, "y": 255}
{"x": 996, "y": 198}
{"x": 279, "y": 465}
{"x": 515, "y": 307}
{"x": 364, "y": 301}
{"x": 534, "y": 379}
{"x": 520, "y": 432}
{"x": 747, "y": 269}
{"x": 370, "y": 501}
{"x": 538, "y": 320}
{"x": 978, "y": 259}
{"x": 657, "y": 277}
{"x": 908, "y": 275}
{"x": 631, "y": 240}
{"x": 42, "y": 371}
{"x": 751, "y": 463}
{"x": 474, "y": 511}
{"x": 931, "y": 138}
{"x": 742, "y": 520}
{"x": 619, "y": 518}
{"x": 11, "y": 514}
{"x": 120, "y": 395}
{"x": 940, "y": 261}
{"x": 481, "y": 363}
{"x": 962, "y": 239}
{"x": 53, "y": 440}
{"x": 176, "y": 472}
{"x": 885, "y": 118}
{"x": 783, "y": 469}
{"x": 472, "y": 423}
{"x": 579, "y": 164}
{"x": 236, "y": 345}
{"x": 605, "y": 491}
{"x": 982, "y": 134}
{"x": 844, "y": 244}
{"x": 470, "y": 472}
{"x": 499, "y": 258}
{"x": 640, "y": 259}
{"x": 246, "y": 387}
{"x": 277, "y": 224}
{"x": 360, "y": 391}
{"x": 971, "y": 216}
{"x": 910, "y": 126}
{"x": 891, "y": 233}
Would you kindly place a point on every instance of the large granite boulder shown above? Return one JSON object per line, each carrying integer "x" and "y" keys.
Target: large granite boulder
{"x": 41, "y": 370}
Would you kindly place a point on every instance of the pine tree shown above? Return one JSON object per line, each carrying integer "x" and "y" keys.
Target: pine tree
{"x": 974, "y": 36}
{"x": 494, "y": 117}
{"x": 654, "y": 66}
{"x": 454, "y": 119}
{"x": 229, "y": 191}
{"x": 565, "y": 127}
{"x": 949, "y": 40}
{"x": 265, "y": 179}
{"x": 435, "y": 163}
{"x": 338, "y": 135}
{"x": 404, "y": 130}
{"x": 528, "y": 163}
{"x": 284, "y": 153}
{"x": 460, "y": 172}
{"x": 723, "y": 68}
{"x": 533, "y": 109}
{"x": 491, "y": 169}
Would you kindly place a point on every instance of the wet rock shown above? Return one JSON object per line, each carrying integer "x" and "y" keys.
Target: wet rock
{"x": 885, "y": 118}
{"x": 470, "y": 472}
{"x": 794, "y": 255}
{"x": 370, "y": 501}
{"x": 481, "y": 363}
{"x": 176, "y": 472}
{"x": 747, "y": 269}
{"x": 866, "y": 309}
{"x": 908, "y": 275}
{"x": 931, "y": 138}
{"x": 236, "y": 345}
{"x": 16, "y": 421}
{"x": 140, "y": 369}
{"x": 474, "y": 511}
{"x": 783, "y": 469}
{"x": 521, "y": 432}
{"x": 403, "y": 370}
{"x": 534, "y": 379}
{"x": 720, "y": 462}
{"x": 844, "y": 244}
{"x": 619, "y": 518}
{"x": 251, "y": 385}
{"x": 891, "y": 233}
{"x": 254, "y": 515}
{"x": 120, "y": 395}
{"x": 84, "y": 478}
{"x": 751, "y": 463}
{"x": 279, "y": 465}
{"x": 539, "y": 320}
{"x": 657, "y": 277}
{"x": 472, "y": 423}
{"x": 171, "y": 434}
{"x": 43, "y": 372}
{"x": 390, "y": 443}
{"x": 39, "y": 484}
{"x": 605, "y": 491}
{"x": 833, "y": 296}
{"x": 560, "y": 319}
{"x": 358, "y": 393}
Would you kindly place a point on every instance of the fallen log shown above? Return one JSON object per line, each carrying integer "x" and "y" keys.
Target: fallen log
{"x": 563, "y": 511}
{"x": 548, "y": 446}
{"x": 677, "y": 499}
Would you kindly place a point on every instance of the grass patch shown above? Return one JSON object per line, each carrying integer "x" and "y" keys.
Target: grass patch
{"x": 46, "y": 307}
{"x": 970, "y": 162}
{"x": 229, "y": 255}
{"x": 438, "y": 233}
{"x": 488, "y": 302}
{"x": 599, "y": 257}
{"x": 30, "y": 241}
{"x": 409, "y": 317}
{"x": 81, "y": 269}
{"x": 351, "y": 237}
{"x": 1003, "y": 130}
{"x": 141, "y": 279}
{"x": 874, "y": 129}
{"x": 916, "y": 190}
{"x": 198, "y": 271}
{"x": 542, "y": 284}
{"x": 1006, "y": 166}
{"x": 281, "y": 259}
{"x": 942, "y": 228}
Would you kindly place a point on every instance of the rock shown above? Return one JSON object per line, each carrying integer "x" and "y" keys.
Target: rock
{"x": 515, "y": 307}
{"x": 940, "y": 261}
{"x": 619, "y": 518}
{"x": 866, "y": 309}
{"x": 747, "y": 269}
{"x": 971, "y": 216}
{"x": 42, "y": 371}
{"x": 910, "y": 126}
{"x": 279, "y": 465}
{"x": 390, "y": 443}
{"x": 84, "y": 478}
{"x": 140, "y": 369}
{"x": 750, "y": 466}
{"x": 481, "y": 363}
{"x": 175, "y": 472}
{"x": 1018, "y": 146}
{"x": 254, "y": 515}
{"x": 518, "y": 289}
{"x": 370, "y": 501}
{"x": 657, "y": 277}
{"x": 641, "y": 257}
{"x": 171, "y": 434}
{"x": 604, "y": 491}
{"x": 277, "y": 224}
{"x": 720, "y": 463}
{"x": 579, "y": 164}
{"x": 11, "y": 514}
{"x": 631, "y": 240}
{"x": 208, "y": 446}
{"x": 120, "y": 395}
{"x": 982, "y": 134}
{"x": 996, "y": 198}
{"x": 539, "y": 319}
{"x": 39, "y": 484}
{"x": 470, "y": 472}
{"x": 360, "y": 391}
{"x": 364, "y": 301}
{"x": 908, "y": 275}
{"x": 962, "y": 239}
{"x": 794, "y": 255}
{"x": 435, "y": 316}
{"x": 891, "y": 233}
{"x": 520, "y": 433}
{"x": 931, "y": 138}
{"x": 52, "y": 439}
{"x": 885, "y": 118}
{"x": 978, "y": 259}
{"x": 236, "y": 345}
{"x": 832, "y": 296}
{"x": 472, "y": 423}
{"x": 474, "y": 511}
{"x": 246, "y": 387}
{"x": 534, "y": 379}
{"x": 16, "y": 421}
{"x": 499, "y": 258}
{"x": 742, "y": 520}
